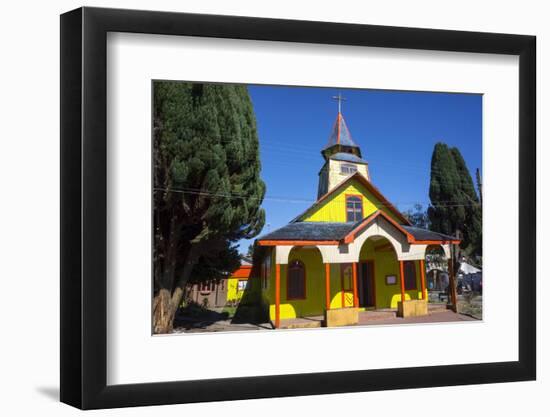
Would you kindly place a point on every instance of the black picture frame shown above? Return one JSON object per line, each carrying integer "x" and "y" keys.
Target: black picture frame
{"x": 84, "y": 207}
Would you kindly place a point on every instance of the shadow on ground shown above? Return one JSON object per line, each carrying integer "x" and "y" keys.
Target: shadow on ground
{"x": 195, "y": 316}
{"x": 49, "y": 392}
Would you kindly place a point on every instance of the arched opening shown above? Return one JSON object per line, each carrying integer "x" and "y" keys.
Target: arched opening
{"x": 302, "y": 283}
{"x": 296, "y": 281}
{"x": 437, "y": 273}
{"x": 378, "y": 274}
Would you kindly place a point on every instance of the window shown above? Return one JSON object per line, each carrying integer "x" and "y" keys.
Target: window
{"x": 354, "y": 208}
{"x": 296, "y": 281}
{"x": 346, "y": 271}
{"x": 348, "y": 169}
{"x": 242, "y": 284}
{"x": 207, "y": 286}
{"x": 410, "y": 275}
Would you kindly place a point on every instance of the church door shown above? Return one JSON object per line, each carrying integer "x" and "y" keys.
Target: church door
{"x": 366, "y": 285}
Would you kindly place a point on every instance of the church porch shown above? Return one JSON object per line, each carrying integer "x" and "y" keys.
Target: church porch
{"x": 375, "y": 269}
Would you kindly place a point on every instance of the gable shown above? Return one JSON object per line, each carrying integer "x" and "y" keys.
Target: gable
{"x": 333, "y": 206}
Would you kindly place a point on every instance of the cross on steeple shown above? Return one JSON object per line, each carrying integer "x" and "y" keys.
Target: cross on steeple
{"x": 339, "y": 99}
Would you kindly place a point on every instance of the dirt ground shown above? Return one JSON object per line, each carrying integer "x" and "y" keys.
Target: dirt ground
{"x": 365, "y": 319}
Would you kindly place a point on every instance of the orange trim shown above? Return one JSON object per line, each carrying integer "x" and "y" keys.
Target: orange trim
{"x": 338, "y": 127}
{"x": 355, "y": 295}
{"x": 436, "y": 242}
{"x": 242, "y": 272}
{"x": 369, "y": 187}
{"x": 288, "y": 276}
{"x": 296, "y": 242}
{"x": 327, "y": 285}
{"x": 342, "y": 266}
{"x": 277, "y": 295}
{"x": 423, "y": 278}
{"x": 402, "y": 279}
{"x": 350, "y": 237}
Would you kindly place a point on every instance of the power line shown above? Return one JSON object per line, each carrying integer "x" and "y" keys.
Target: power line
{"x": 295, "y": 200}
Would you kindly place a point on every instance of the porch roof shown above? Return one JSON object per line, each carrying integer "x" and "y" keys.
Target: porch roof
{"x": 427, "y": 235}
{"x": 313, "y": 231}
{"x": 335, "y": 233}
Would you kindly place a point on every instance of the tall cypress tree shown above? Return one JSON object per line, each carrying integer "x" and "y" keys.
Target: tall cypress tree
{"x": 472, "y": 225}
{"x": 444, "y": 214}
{"x": 207, "y": 185}
{"x": 455, "y": 206}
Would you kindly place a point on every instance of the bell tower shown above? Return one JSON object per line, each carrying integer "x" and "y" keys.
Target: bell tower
{"x": 342, "y": 155}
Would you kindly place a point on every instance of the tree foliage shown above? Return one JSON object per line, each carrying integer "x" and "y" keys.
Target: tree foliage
{"x": 455, "y": 205}
{"x": 207, "y": 185}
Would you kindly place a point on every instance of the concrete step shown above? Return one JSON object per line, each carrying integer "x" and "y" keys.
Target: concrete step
{"x": 377, "y": 315}
{"x": 300, "y": 323}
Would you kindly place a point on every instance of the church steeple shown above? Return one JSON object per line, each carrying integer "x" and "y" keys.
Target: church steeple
{"x": 340, "y": 140}
{"x": 342, "y": 155}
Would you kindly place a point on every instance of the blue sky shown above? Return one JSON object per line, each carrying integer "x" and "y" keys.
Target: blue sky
{"x": 396, "y": 131}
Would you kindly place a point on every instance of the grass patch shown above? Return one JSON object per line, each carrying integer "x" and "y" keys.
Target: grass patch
{"x": 229, "y": 310}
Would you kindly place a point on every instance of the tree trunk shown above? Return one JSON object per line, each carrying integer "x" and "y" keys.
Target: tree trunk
{"x": 166, "y": 303}
{"x": 163, "y": 312}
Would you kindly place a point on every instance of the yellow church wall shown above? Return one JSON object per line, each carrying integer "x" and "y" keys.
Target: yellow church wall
{"x": 334, "y": 208}
{"x": 314, "y": 302}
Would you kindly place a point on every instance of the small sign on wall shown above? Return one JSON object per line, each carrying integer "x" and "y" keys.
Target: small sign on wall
{"x": 391, "y": 279}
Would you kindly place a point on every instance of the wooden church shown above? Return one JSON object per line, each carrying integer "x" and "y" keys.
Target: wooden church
{"x": 351, "y": 251}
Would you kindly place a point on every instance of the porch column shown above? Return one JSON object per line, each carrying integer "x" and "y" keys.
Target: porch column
{"x": 327, "y": 285}
{"x": 402, "y": 279}
{"x": 423, "y": 278}
{"x": 277, "y": 295}
{"x": 355, "y": 296}
{"x": 452, "y": 284}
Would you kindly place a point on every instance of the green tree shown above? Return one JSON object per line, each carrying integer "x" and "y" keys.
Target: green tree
{"x": 207, "y": 185}
{"x": 455, "y": 206}
{"x": 479, "y": 185}
{"x": 472, "y": 226}
{"x": 445, "y": 215}
{"x": 250, "y": 251}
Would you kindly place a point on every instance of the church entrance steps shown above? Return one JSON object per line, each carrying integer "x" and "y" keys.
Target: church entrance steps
{"x": 383, "y": 314}
{"x": 302, "y": 322}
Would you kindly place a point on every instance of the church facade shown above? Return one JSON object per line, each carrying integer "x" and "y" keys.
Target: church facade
{"x": 352, "y": 249}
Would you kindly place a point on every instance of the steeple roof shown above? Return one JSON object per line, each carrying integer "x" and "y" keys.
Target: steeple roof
{"x": 340, "y": 134}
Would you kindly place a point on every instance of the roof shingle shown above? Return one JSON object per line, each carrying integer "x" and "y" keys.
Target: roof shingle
{"x": 348, "y": 157}
{"x": 310, "y": 231}
{"x": 424, "y": 234}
